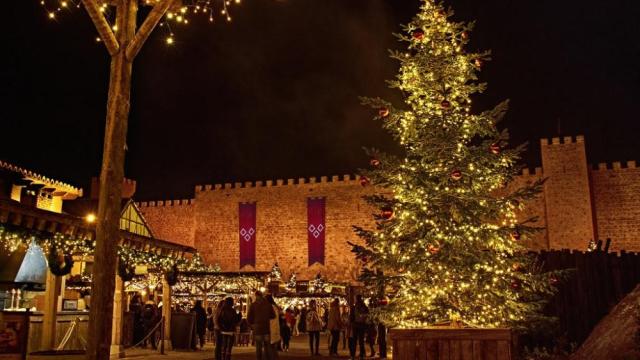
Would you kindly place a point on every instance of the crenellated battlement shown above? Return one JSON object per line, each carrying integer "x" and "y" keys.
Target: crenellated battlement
{"x": 562, "y": 141}
{"x": 161, "y": 203}
{"x": 615, "y": 166}
{"x": 345, "y": 179}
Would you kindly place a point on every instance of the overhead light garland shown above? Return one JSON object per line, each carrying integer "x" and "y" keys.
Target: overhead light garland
{"x": 211, "y": 284}
{"x": 182, "y": 13}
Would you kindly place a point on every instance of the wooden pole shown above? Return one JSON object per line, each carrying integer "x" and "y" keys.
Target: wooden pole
{"x": 166, "y": 314}
{"x": 101, "y": 24}
{"x": 117, "y": 350}
{"x": 147, "y": 26}
{"x": 112, "y": 173}
{"x": 49, "y": 318}
{"x": 111, "y": 177}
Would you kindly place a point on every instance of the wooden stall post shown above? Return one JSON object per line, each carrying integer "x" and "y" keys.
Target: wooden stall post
{"x": 50, "y": 311}
{"x": 166, "y": 314}
{"x": 117, "y": 349}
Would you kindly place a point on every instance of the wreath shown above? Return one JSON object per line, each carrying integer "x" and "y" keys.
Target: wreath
{"x": 59, "y": 265}
{"x": 125, "y": 271}
{"x": 172, "y": 275}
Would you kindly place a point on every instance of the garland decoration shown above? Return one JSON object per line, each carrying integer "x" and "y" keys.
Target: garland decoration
{"x": 13, "y": 238}
{"x": 125, "y": 271}
{"x": 57, "y": 267}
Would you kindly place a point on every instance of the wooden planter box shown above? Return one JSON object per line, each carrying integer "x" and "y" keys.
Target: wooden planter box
{"x": 449, "y": 344}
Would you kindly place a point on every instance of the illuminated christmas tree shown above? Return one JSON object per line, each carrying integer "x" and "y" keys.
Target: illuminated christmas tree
{"x": 447, "y": 238}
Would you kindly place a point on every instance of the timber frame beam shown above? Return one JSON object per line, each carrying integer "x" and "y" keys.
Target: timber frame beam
{"x": 102, "y": 26}
{"x": 147, "y": 26}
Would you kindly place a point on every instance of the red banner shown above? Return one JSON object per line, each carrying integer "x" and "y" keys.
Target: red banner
{"x": 247, "y": 233}
{"x": 316, "y": 229}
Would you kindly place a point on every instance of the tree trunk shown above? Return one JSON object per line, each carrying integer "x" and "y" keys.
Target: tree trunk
{"x": 111, "y": 177}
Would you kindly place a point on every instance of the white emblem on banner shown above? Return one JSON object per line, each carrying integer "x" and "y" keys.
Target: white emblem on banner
{"x": 316, "y": 230}
{"x": 247, "y": 234}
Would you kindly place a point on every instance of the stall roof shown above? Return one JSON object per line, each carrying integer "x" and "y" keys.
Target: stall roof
{"x": 59, "y": 188}
{"x": 31, "y": 218}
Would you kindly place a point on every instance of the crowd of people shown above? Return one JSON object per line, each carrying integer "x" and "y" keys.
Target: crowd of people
{"x": 271, "y": 327}
{"x": 146, "y": 317}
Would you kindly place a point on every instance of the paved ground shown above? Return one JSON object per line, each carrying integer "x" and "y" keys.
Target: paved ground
{"x": 299, "y": 350}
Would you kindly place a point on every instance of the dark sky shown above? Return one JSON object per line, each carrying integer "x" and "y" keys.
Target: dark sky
{"x": 274, "y": 94}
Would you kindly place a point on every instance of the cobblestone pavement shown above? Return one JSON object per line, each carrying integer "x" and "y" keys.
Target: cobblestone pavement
{"x": 299, "y": 350}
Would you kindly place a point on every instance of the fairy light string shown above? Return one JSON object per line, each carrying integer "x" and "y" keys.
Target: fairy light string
{"x": 13, "y": 239}
{"x": 182, "y": 13}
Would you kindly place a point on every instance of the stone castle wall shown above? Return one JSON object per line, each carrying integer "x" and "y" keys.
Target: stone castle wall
{"x": 171, "y": 220}
{"x": 616, "y": 194}
{"x": 281, "y": 224}
{"x": 578, "y": 204}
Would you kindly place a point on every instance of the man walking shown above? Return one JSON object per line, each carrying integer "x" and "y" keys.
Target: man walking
{"x": 260, "y": 313}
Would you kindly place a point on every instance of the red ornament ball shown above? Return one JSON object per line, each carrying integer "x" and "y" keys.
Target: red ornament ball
{"x": 387, "y": 213}
{"x": 515, "y": 284}
{"x": 445, "y": 104}
{"x": 517, "y": 267}
{"x": 383, "y": 302}
{"x": 495, "y": 149}
{"x": 553, "y": 280}
{"x": 374, "y": 162}
{"x": 515, "y": 235}
{"x": 418, "y": 35}
{"x": 433, "y": 249}
{"x": 465, "y": 35}
{"x": 364, "y": 181}
{"x": 383, "y": 112}
{"x": 456, "y": 175}
{"x": 478, "y": 63}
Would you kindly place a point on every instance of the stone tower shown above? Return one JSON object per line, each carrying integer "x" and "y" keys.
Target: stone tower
{"x": 567, "y": 193}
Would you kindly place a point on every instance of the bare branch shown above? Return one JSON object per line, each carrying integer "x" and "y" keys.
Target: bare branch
{"x": 102, "y": 26}
{"x": 145, "y": 30}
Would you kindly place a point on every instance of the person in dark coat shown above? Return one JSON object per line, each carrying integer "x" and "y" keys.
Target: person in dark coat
{"x": 149, "y": 321}
{"x": 138, "y": 327}
{"x": 216, "y": 330}
{"x": 359, "y": 318}
{"x": 302, "y": 326}
{"x": 285, "y": 332}
{"x": 210, "y": 324}
{"x": 228, "y": 321}
{"x": 201, "y": 321}
{"x": 259, "y": 317}
{"x": 372, "y": 334}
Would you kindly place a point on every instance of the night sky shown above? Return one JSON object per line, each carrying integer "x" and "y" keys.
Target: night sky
{"x": 274, "y": 94}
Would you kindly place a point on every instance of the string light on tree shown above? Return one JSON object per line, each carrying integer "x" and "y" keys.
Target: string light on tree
{"x": 444, "y": 238}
